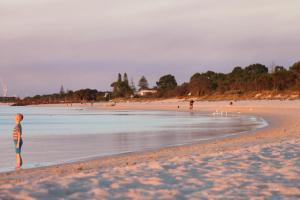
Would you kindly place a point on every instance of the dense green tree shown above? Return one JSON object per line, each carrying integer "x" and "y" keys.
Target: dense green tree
{"x": 62, "y": 90}
{"x": 119, "y": 78}
{"x": 279, "y": 69}
{"x": 256, "y": 69}
{"x": 121, "y": 88}
{"x": 132, "y": 86}
{"x": 200, "y": 84}
{"x": 143, "y": 83}
{"x": 282, "y": 78}
{"x": 237, "y": 71}
{"x": 167, "y": 82}
{"x": 252, "y": 76}
{"x": 295, "y": 69}
{"x": 86, "y": 95}
{"x": 125, "y": 79}
{"x": 117, "y": 91}
{"x": 182, "y": 90}
{"x": 264, "y": 82}
{"x": 236, "y": 79}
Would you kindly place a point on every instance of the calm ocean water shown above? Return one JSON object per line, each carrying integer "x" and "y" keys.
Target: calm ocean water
{"x": 59, "y": 134}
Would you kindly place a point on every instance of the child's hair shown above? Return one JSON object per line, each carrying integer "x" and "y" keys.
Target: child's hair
{"x": 20, "y": 115}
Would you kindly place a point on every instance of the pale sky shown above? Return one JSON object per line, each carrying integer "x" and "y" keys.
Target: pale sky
{"x": 84, "y": 44}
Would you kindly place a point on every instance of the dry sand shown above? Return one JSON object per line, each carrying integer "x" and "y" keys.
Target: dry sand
{"x": 260, "y": 165}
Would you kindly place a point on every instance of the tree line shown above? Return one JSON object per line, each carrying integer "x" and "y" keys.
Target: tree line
{"x": 253, "y": 78}
{"x": 8, "y": 99}
{"x": 69, "y": 96}
{"x": 241, "y": 80}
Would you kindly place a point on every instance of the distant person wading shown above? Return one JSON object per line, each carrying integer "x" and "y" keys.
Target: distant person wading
{"x": 191, "y": 104}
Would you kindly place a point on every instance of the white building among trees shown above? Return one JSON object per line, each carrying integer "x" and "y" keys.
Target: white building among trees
{"x": 146, "y": 92}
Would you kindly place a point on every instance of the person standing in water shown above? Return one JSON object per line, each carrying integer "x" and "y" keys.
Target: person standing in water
{"x": 17, "y": 136}
{"x": 191, "y": 104}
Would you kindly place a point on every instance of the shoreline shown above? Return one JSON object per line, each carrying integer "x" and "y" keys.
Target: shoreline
{"x": 264, "y": 125}
{"x": 35, "y": 142}
{"x": 283, "y": 129}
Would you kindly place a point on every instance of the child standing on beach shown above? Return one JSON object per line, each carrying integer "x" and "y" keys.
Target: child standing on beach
{"x": 17, "y": 136}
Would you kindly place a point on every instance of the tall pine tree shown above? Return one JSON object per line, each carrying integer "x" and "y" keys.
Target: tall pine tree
{"x": 143, "y": 83}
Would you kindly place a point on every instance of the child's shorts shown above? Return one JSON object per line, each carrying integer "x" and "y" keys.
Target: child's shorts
{"x": 18, "y": 150}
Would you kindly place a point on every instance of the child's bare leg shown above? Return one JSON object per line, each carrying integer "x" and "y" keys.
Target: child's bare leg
{"x": 21, "y": 161}
{"x": 18, "y": 160}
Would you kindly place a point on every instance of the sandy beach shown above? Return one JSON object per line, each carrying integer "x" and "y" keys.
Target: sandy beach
{"x": 259, "y": 165}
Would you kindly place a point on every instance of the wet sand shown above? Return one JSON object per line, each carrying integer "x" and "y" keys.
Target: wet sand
{"x": 264, "y": 164}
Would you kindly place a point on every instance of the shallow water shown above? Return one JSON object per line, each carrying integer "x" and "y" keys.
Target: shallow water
{"x": 60, "y": 134}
